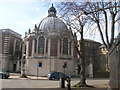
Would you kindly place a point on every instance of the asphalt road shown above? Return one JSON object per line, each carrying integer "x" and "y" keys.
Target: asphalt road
{"x": 39, "y": 83}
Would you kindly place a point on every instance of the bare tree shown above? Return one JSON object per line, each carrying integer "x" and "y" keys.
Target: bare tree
{"x": 77, "y": 21}
{"x": 103, "y": 14}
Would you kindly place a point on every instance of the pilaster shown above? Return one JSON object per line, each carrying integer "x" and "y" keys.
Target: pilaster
{"x": 37, "y": 45}
{"x": 49, "y": 46}
{"x": 27, "y": 49}
{"x": 14, "y": 46}
{"x": 72, "y": 50}
{"x": 33, "y": 47}
{"x": 58, "y": 53}
{"x": 45, "y": 46}
{"x": 68, "y": 47}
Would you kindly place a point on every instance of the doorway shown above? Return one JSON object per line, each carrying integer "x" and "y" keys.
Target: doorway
{"x": 14, "y": 67}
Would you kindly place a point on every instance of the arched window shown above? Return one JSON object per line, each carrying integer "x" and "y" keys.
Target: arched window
{"x": 41, "y": 43}
{"x": 65, "y": 46}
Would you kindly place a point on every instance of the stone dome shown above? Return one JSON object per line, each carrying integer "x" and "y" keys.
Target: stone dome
{"x": 52, "y": 24}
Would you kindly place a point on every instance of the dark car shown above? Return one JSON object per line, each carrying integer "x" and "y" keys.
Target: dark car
{"x": 4, "y": 74}
{"x": 57, "y": 75}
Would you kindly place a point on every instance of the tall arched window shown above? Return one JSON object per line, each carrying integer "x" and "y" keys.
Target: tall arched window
{"x": 41, "y": 43}
{"x": 65, "y": 46}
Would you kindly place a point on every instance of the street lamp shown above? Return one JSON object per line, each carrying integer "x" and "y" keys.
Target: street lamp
{"x": 23, "y": 75}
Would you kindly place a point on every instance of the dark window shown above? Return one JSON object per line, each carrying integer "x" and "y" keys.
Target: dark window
{"x": 60, "y": 46}
{"x": 70, "y": 48}
{"x": 14, "y": 67}
{"x": 56, "y": 73}
{"x": 17, "y": 46}
{"x": 46, "y": 45}
{"x": 53, "y": 47}
{"x": 41, "y": 43}
{"x": 40, "y": 64}
{"x": 65, "y": 46}
{"x": 30, "y": 47}
{"x": 61, "y": 74}
{"x": 35, "y": 45}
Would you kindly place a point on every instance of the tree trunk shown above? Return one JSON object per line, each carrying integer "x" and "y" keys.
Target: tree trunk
{"x": 82, "y": 72}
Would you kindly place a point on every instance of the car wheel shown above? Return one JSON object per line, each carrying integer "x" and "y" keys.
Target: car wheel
{"x": 52, "y": 78}
{"x": 6, "y": 77}
{"x": 2, "y": 77}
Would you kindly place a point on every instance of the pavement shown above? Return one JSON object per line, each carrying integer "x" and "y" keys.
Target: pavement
{"x": 17, "y": 76}
{"x": 98, "y": 83}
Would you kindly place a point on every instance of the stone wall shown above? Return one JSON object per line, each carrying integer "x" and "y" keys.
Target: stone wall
{"x": 4, "y": 59}
{"x": 49, "y": 65}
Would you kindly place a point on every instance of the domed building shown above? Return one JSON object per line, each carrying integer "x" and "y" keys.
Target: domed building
{"x": 50, "y": 47}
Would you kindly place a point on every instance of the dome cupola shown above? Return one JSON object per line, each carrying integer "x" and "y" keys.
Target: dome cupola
{"x": 52, "y": 11}
{"x": 53, "y": 26}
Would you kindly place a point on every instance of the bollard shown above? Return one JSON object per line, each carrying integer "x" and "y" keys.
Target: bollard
{"x": 68, "y": 84}
{"x": 62, "y": 82}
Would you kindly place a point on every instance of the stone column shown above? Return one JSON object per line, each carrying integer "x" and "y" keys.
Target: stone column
{"x": 49, "y": 46}
{"x": 14, "y": 47}
{"x": 33, "y": 47}
{"x": 72, "y": 50}
{"x": 45, "y": 46}
{"x": 68, "y": 47}
{"x": 50, "y": 60}
{"x": 37, "y": 45}
{"x": 62, "y": 47}
{"x": 58, "y": 53}
{"x": 27, "y": 49}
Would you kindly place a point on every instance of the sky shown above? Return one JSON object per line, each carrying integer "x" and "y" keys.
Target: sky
{"x": 20, "y": 15}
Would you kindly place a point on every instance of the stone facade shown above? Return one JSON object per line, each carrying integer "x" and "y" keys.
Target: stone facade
{"x": 10, "y": 48}
{"x": 50, "y": 46}
{"x": 49, "y": 65}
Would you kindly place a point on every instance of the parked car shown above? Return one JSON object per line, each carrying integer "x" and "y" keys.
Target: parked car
{"x": 56, "y": 75}
{"x": 4, "y": 74}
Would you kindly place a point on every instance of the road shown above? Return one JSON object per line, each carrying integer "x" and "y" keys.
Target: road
{"x": 44, "y": 83}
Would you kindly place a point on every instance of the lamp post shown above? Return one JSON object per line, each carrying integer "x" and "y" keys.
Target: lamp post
{"x": 23, "y": 75}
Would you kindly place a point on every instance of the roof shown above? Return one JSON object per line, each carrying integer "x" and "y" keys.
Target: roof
{"x": 52, "y": 24}
{"x": 89, "y": 40}
{"x": 9, "y": 31}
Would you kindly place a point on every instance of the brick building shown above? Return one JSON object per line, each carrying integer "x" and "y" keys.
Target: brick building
{"x": 10, "y": 50}
{"x": 94, "y": 58}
